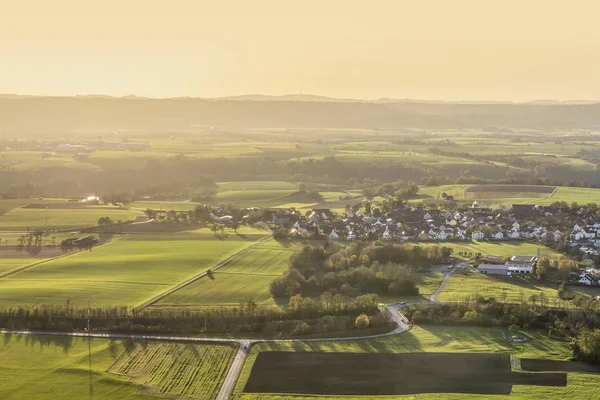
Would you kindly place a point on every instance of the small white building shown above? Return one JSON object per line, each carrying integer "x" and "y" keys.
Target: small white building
{"x": 477, "y": 235}
{"x": 586, "y": 279}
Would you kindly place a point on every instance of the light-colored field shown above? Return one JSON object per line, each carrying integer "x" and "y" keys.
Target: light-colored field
{"x": 39, "y": 218}
{"x": 176, "y": 370}
{"x": 507, "y": 198}
{"x": 507, "y": 248}
{"x": 246, "y": 277}
{"x": 465, "y": 284}
{"x": 125, "y": 272}
{"x": 443, "y": 339}
{"x": 59, "y": 368}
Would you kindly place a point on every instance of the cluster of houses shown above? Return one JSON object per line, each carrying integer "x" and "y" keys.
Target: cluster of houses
{"x": 420, "y": 224}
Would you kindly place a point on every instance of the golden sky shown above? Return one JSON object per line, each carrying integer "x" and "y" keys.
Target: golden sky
{"x": 421, "y": 49}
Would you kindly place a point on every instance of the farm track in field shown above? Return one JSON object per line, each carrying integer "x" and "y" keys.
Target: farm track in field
{"x": 201, "y": 275}
{"x": 35, "y": 264}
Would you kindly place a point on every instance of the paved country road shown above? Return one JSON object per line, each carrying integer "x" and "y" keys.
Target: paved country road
{"x": 434, "y": 296}
{"x": 402, "y": 325}
{"x": 392, "y": 311}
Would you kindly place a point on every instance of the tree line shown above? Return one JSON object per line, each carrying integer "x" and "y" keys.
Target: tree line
{"x": 581, "y": 327}
{"x": 304, "y": 316}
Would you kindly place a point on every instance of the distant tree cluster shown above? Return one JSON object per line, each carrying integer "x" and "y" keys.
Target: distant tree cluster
{"x": 357, "y": 270}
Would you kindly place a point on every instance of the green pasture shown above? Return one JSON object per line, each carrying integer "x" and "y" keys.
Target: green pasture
{"x": 246, "y": 277}
{"x": 504, "y": 248}
{"x": 57, "y": 368}
{"x": 438, "y": 338}
{"x": 518, "y": 196}
{"x": 463, "y": 284}
{"x": 40, "y": 218}
{"x": 26, "y": 161}
{"x": 124, "y": 272}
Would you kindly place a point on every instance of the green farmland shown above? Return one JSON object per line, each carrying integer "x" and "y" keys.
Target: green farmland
{"x": 124, "y": 272}
{"x": 465, "y": 284}
{"x": 444, "y": 339}
{"x": 515, "y": 195}
{"x": 44, "y": 367}
{"x": 21, "y": 218}
{"x": 504, "y": 248}
{"x": 246, "y": 277}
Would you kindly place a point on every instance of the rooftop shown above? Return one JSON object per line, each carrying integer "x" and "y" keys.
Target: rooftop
{"x": 523, "y": 259}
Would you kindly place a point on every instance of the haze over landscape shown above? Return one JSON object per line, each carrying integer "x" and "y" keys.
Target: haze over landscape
{"x": 278, "y": 200}
{"x": 437, "y": 50}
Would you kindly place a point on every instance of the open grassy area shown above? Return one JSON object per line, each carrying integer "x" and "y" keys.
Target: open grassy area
{"x": 57, "y": 368}
{"x": 246, "y": 277}
{"x": 40, "y": 218}
{"x": 44, "y": 367}
{"x": 472, "y": 283}
{"x": 504, "y": 248}
{"x": 125, "y": 272}
{"x": 443, "y": 339}
{"x": 518, "y": 195}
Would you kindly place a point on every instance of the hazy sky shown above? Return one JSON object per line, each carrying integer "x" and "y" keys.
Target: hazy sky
{"x": 445, "y": 49}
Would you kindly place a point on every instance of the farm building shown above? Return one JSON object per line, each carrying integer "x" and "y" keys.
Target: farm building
{"x": 493, "y": 269}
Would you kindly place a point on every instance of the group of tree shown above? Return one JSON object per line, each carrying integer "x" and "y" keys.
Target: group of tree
{"x": 580, "y": 325}
{"x": 356, "y": 270}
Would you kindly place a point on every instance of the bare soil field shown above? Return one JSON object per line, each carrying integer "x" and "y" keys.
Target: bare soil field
{"x": 536, "y": 365}
{"x": 389, "y": 374}
{"x": 510, "y": 188}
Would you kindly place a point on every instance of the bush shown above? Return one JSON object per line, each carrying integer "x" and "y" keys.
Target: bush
{"x": 362, "y": 321}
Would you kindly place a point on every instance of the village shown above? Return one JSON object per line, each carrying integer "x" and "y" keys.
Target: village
{"x": 575, "y": 232}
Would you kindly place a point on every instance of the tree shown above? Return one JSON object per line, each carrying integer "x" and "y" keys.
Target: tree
{"x": 362, "y": 321}
{"x": 503, "y": 296}
{"x": 368, "y": 193}
{"x": 543, "y": 299}
{"x": 533, "y": 299}
{"x": 586, "y": 345}
{"x": 542, "y": 267}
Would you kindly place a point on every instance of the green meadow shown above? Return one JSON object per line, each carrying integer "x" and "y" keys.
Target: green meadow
{"x": 244, "y": 278}
{"x": 57, "y": 368}
{"x": 438, "y": 338}
{"x": 39, "y": 218}
{"x": 124, "y": 272}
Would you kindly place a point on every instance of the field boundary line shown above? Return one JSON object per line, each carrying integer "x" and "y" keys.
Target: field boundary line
{"x": 201, "y": 275}
{"x": 554, "y": 191}
{"x": 35, "y": 264}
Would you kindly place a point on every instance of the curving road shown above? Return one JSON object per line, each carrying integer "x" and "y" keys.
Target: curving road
{"x": 434, "y": 296}
{"x": 392, "y": 311}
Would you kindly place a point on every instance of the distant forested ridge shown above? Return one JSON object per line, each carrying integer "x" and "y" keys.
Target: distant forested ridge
{"x": 48, "y": 115}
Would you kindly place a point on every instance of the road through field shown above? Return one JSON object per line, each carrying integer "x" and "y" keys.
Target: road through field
{"x": 402, "y": 325}
{"x": 392, "y": 311}
{"x": 434, "y": 296}
{"x": 35, "y": 264}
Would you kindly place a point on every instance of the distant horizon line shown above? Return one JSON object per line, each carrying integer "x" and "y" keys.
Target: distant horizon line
{"x": 303, "y": 97}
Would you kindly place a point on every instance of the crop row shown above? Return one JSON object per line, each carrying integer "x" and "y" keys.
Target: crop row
{"x": 178, "y": 370}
